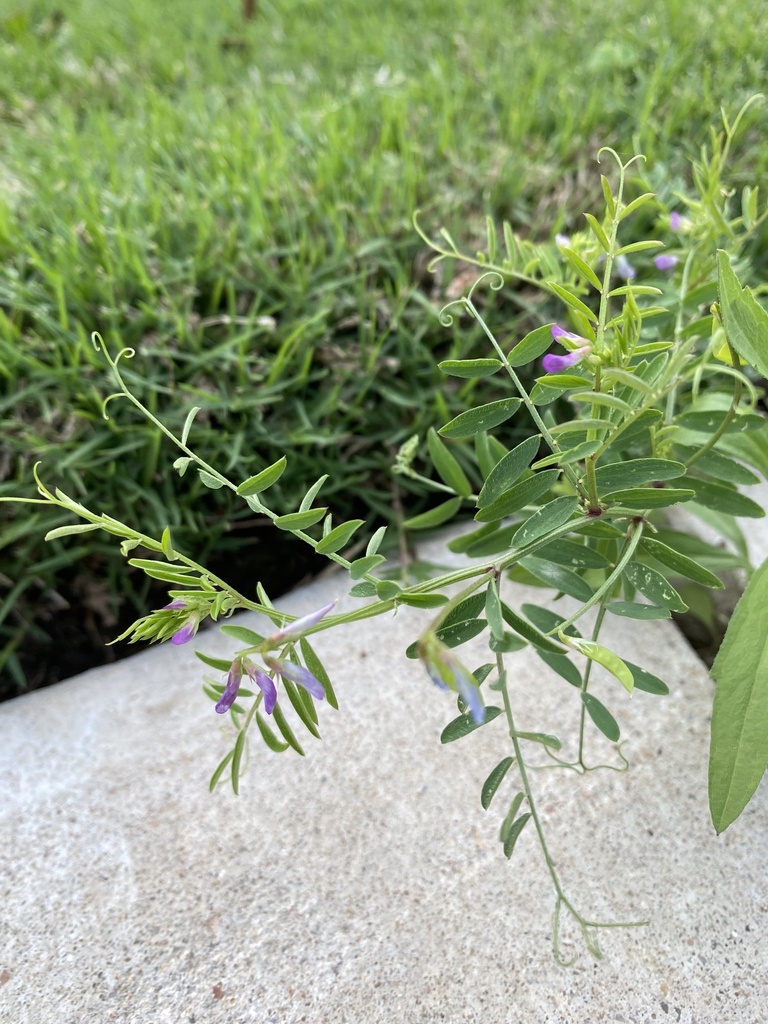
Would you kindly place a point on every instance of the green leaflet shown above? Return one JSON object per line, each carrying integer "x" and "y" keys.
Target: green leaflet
{"x": 679, "y": 563}
{"x": 264, "y": 479}
{"x": 531, "y": 346}
{"x": 494, "y": 780}
{"x": 642, "y": 498}
{"x": 549, "y": 517}
{"x": 484, "y": 417}
{"x": 338, "y": 538}
{"x": 448, "y": 469}
{"x": 654, "y": 586}
{"x": 601, "y": 716}
{"x": 518, "y": 496}
{"x": 635, "y": 472}
{"x": 435, "y": 516}
{"x": 514, "y": 833}
{"x": 724, "y": 499}
{"x": 465, "y": 724}
{"x": 738, "y": 754}
{"x": 558, "y": 576}
{"x": 744, "y": 319}
{"x": 300, "y": 520}
{"x": 507, "y": 471}
{"x": 470, "y": 368}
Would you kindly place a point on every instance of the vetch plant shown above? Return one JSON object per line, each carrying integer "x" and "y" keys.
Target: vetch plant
{"x": 646, "y": 401}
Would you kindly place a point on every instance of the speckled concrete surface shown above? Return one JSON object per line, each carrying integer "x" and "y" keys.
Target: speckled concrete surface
{"x": 364, "y": 883}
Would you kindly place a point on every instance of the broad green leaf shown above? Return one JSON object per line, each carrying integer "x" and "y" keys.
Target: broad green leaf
{"x": 507, "y": 643}
{"x": 375, "y": 542}
{"x": 300, "y": 520}
{"x": 470, "y": 368}
{"x": 738, "y": 754}
{"x": 635, "y": 472}
{"x": 581, "y": 426}
{"x": 549, "y": 517}
{"x": 507, "y": 471}
{"x": 448, "y": 469}
{"x": 751, "y": 448}
{"x": 568, "y": 455}
{"x": 724, "y": 499}
{"x": 564, "y": 381}
{"x": 465, "y": 724}
{"x": 601, "y": 716}
{"x": 244, "y": 635}
{"x": 494, "y": 780}
{"x": 744, "y": 319}
{"x": 518, "y": 496}
{"x": 435, "y": 516}
{"x": 531, "y": 346}
{"x": 641, "y": 498}
{"x": 646, "y": 681}
{"x": 264, "y": 479}
{"x": 338, "y": 538}
{"x": 681, "y": 564}
{"x": 460, "y": 632}
{"x": 609, "y": 660}
{"x": 514, "y": 833}
{"x": 654, "y": 586}
{"x": 559, "y": 577}
{"x": 484, "y": 417}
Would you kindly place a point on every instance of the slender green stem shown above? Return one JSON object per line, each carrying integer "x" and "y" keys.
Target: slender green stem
{"x": 636, "y": 532}
{"x": 585, "y": 684}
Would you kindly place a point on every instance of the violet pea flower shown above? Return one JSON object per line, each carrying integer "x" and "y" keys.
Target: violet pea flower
{"x": 297, "y": 674}
{"x": 624, "y": 268}
{"x": 264, "y": 683}
{"x": 229, "y": 696}
{"x": 555, "y": 364}
{"x": 299, "y": 626}
{"x": 676, "y": 220}
{"x": 666, "y": 261}
{"x": 189, "y": 628}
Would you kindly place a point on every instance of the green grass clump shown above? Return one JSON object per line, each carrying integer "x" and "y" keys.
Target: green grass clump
{"x": 234, "y": 200}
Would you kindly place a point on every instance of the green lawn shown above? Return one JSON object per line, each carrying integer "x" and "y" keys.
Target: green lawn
{"x": 236, "y": 200}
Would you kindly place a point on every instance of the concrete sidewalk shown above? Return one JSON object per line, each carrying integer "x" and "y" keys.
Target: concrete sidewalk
{"x": 364, "y": 883}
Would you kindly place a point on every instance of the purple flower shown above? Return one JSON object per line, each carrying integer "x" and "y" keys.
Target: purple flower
{"x": 446, "y": 672}
{"x": 561, "y": 239}
{"x": 227, "y": 698}
{"x": 297, "y": 674}
{"x": 301, "y": 625}
{"x": 554, "y": 364}
{"x": 264, "y": 683}
{"x": 666, "y": 261}
{"x": 189, "y": 628}
{"x": 624, "y": 268}
{"x": 676, "y": 220}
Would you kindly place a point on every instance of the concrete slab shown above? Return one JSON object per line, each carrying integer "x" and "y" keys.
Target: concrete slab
{"x": 364, "y": 883}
